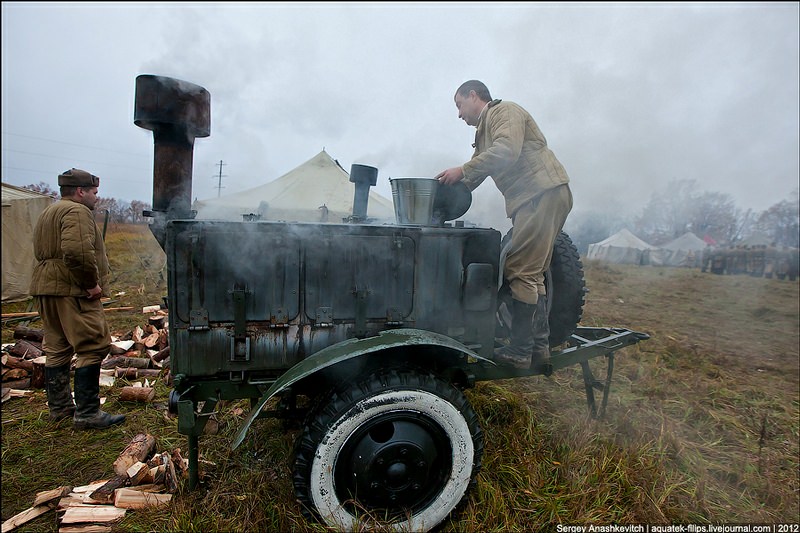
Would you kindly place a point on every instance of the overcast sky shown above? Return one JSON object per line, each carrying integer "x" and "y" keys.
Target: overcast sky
{"x": 629, "y": 96}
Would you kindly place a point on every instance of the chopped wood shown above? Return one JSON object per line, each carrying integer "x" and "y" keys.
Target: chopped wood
{"x": 105, "y": 494}
{"x": 181, "y": 464}
{"x": 170, "y": 476}
{"x": 38, "y": 373}
{"x": 139, "y": 449}
{"x": 26, "y": 349}
{"x": 136, "y": 373}
{"x": 92, "y": 513}
{"x": 152, "y": 340}
{"x": 25, "y": 516}
{"x": 48, "y": 496}
{"x": 13, "y": 393}
{"x": 88, "y": 528}
{"x": 19, "y": 384}
{"x": 17, "y": 362}
{"x": 136, "y": 499}
{"x": 163, "y": 339}
{"x": 125, "y": 362}
{"x": 137, "y": 394}
{"x": 161, "y": 355}
{"x": 149, "y": 487}
{"x": 91, "y": 487}
{"x": 150, "y": 309}
{"x": 70, "y": 500}
{"x": 13, "y": 374}
{"x": 158, "y": 472}
{"x": 139, "y": 474}
{"x": 150, "y": 329}
{"x": 30, "y": 334}
{"x": 157, "y": 321}
{"x": 120, "y": 347}
{"x": 137, "y": 334}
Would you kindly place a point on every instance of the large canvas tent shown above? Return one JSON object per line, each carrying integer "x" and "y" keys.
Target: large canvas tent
{"x": 319, "y": 190}
{"x": 625, "y": 248}
{"x": 684, "y": 251}
{"x": 21, "y": 210}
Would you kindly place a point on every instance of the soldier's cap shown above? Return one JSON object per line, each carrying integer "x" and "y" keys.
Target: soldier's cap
{"x": 76, "y": 177}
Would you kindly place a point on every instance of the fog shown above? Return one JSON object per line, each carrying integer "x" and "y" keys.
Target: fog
{"x": 629, "y": 96}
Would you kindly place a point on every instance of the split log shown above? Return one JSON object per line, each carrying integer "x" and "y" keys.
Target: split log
{"x": 135, "y": 499}
{"x": 17, "y": 362}
{"x": 163, "y": 338}
{"x": 48, "y": 496}
{"x": 125, "y": 362}
{"x": 138, "y": 450}
{"x": 88, "y": 528}
{"x": 38, "y": 373}
{"x": 26, "y": 349}
{"x": 148, "y": 487}
{"x": 91, "y": 487}
{"x": 136, "y": 373}
{"x": 120, "y": 347}
{"x": 170, "y": 476}
{"x": 158, "y": 473}
{"x": 139, "y": 474}
{"x": 92, "y": 513}
{"x": 70, "y": 500}
{"x": 181, "y": 464}
{"x": 150, "y": 329}
{"x": 29, "y": 334}
{"x": 157, "y": 321}
{"x": 150, "y": 309}
{"x": 137, "y": 335}
{"x": 14, "y": 374}
{"x": 19, "y": 384}
{"x": 137, "y": 394}
{"x": 25, "y": 516}
{"x": 161, "y": 355}
{"x": 152, "y": 340}
{"x": 105, "y": 494}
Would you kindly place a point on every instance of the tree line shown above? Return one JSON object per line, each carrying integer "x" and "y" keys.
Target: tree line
{"x": 680, "y": 208}
{"x": 120, "y": 211}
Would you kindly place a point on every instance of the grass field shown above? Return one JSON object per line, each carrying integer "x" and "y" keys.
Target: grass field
{"x": 702, "y": 426}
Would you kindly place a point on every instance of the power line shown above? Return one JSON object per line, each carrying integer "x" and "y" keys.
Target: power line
{"x": 72, "y": 144}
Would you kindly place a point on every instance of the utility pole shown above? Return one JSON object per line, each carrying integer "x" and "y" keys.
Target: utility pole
{"x": 219, "y": 183}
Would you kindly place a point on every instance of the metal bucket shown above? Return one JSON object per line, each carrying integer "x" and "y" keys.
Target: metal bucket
{"x": 413, "y": 199}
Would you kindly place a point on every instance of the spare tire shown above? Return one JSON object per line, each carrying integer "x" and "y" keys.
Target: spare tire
{"x": 565, "y": 285}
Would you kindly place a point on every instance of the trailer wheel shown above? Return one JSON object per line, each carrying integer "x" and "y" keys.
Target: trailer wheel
{"x": 565, "y": 284}
{"x": 401, "y": 448}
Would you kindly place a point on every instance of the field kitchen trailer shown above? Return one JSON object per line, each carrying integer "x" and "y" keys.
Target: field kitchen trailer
{"x": 366, "y": 333}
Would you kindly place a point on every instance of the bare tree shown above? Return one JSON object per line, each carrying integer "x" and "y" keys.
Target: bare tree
{"x": 43, "y": 188}
{"x": 781, "y": 222}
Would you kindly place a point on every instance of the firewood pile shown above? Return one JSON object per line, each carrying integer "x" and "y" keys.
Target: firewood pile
{"x": 142, "y": 478}
{"x": 142, "y": 352}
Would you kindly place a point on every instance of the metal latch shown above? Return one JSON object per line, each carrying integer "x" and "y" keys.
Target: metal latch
{"x": 324, "y": 317}
{"x": 198, "y": 320}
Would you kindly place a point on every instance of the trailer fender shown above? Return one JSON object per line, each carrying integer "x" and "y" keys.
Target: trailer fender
{"x": 350, "y": 349}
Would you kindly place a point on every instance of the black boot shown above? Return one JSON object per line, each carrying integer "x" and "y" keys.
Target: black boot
{"x": 59, "y": 393}
{"x": 541, "y": 338}
{"x": 88, "y": 414}
{"x": 518, "y": 352}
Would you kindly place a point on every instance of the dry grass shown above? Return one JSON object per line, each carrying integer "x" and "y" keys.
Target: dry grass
{"x": 702, "y": 425}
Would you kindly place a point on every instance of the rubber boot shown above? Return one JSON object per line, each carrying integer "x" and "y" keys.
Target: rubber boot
{"x": 59, "y": 393}
{"x": 88, "y": 414}
{"x": 518, "y": 352}
{"x": 541, "y": 339}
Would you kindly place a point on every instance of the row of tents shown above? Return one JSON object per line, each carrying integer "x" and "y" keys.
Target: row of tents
{"x": 626, "y": 248}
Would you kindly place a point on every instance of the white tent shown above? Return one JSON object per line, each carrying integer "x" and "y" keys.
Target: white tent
{"x": 319, "y": 190}
{"x": 684, "y": 251}
{"x": 625, "y": 248}
{"x": 21, "y": 210}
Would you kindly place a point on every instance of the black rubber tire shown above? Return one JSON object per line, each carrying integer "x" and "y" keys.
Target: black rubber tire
{"x": 566, "y": 286}
{"x": 401, "y": 447}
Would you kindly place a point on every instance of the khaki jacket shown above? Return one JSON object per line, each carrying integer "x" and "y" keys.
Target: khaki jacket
{"x": 511, "y": 149}
{"x": 69, "y": 249}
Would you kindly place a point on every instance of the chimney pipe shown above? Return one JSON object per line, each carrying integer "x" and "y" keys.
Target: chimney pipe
{"x": 363, "y": 177}
{"x": 177, "y": 112}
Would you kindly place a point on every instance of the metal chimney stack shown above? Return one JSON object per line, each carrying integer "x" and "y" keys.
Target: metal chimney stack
{"x": 363, "y": 177}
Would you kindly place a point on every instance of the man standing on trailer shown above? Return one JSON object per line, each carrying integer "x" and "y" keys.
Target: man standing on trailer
{"x": 511, "y": 149}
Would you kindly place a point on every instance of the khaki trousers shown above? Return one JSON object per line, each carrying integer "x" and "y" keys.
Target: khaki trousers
{"x": 535, "y": 227}
{"x": 73, "y": 326}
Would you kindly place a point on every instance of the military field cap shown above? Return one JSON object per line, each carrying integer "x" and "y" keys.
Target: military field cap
{"x": 76, "y": 177}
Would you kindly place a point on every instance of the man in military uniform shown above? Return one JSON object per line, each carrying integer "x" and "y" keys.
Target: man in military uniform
{"x": 67, "y": 283}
